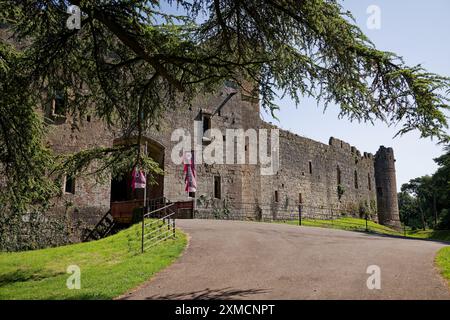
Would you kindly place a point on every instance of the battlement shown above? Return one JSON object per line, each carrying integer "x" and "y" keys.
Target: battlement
{"x": 385, "y": 153}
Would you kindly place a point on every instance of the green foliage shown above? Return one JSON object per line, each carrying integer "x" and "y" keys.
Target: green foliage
{"x": 130, "y": 61}
{"x": 25, "y": 187}
{"x": 425, "y": 201}
{"x": 219, "y": 209}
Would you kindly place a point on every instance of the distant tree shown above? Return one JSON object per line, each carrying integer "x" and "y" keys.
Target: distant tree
{"x": 441, "y": 184}
{"x": 427, "y": 199}
{"x": 131, "y": 60}
{"x": 409, "y": 210}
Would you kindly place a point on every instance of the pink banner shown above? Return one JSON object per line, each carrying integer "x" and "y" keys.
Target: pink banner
{"x": 189, "y": 171}
{"x": 138, "y": 179}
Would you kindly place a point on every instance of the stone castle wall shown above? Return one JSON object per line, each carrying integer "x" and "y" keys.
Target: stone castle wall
{"x": 308, "y": 172}
{"x": 309, "y": 175}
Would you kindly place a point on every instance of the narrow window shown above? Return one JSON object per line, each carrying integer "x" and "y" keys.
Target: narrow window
{"x": 276, "y": 195}
{"x": 230, "y": 84}
{"x": 338, "y": 174}
{"x": 206, "y": 122}
{"x": 369, "y": 182}
{"x": 59, "y": 107}
{"x": 356, "y": 179}
{"x": 379, "y": 191}
{"x": 191, "y": 194}
{"x": 300, "y": 200}
{"x": 69, "y": 185}
{"x": 217, "y": 187}
{"x": 310, "y": 167}
{"x": 88, "y": 118}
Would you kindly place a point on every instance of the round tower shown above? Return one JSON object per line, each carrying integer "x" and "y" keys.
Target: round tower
{"x": 386, "y": 186}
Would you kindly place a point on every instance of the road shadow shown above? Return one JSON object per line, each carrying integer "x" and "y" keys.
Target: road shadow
{"x": 25, "y": 275}
{"x": 381, "y": 235}
{"x": 209, "y": 294}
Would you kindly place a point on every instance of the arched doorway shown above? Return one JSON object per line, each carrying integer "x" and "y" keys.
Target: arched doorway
{"x": 124, "y": 200}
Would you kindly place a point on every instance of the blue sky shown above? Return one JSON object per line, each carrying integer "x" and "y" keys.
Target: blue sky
{"x": 418, "y": 31}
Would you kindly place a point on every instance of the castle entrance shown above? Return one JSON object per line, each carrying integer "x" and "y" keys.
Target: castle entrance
{"x": 124, "y": 200}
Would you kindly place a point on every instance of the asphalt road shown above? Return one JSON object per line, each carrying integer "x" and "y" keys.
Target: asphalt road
{"x": 248, "y": 260}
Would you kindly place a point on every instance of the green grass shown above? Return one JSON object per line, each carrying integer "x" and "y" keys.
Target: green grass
{"x": 347, "y": 223}
{"x": 355, "y": 224}
{"x": 429, "y": 234}
{"x": 109, "y": 267}
{"x": 443, "y": 262}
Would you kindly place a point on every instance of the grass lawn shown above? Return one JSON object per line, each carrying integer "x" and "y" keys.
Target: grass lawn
{"x": 351, "y": 224}
{"x": 109, "y": 267}
{"x": 443, "y": 262}
{"x": 355, "y": 224}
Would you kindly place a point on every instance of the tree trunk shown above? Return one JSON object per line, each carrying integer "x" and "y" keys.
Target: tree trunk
{"x": 435, "y": 211}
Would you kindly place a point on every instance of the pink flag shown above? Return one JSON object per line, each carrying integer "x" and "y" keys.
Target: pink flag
{"x": 189, "y": 171}
{"x": 138, "y": 179}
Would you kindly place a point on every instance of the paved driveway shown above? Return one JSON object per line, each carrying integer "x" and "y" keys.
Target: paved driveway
{"x": 248, "y": 260}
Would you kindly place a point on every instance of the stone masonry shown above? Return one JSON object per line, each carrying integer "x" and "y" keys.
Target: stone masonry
{"x": 334, "y": 177}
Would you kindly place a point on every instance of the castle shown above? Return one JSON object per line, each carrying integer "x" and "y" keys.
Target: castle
{"x": 323, "y": 178}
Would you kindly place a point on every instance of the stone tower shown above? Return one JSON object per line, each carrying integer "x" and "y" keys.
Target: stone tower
{"x": 386, "y": 185}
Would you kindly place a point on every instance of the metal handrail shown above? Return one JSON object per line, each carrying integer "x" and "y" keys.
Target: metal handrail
{"x": 157, "y": 210}
{"x": 158, "y": 229}
{"x": 157, "y": 233}
{"x": 158, "y": 236}
{"x": 167, "y": 217}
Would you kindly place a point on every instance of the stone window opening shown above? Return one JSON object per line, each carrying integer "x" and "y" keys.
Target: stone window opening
{"x": 231, "y": 84}
{"x": 206, "y": 125}
{"x": 59, "y": 104}
{"x": 217, "y": 187}
{"x": 276, "y": 196}
{"x": 69, "y": 185}
{"x": 369, "y": 181}
{"x": 310, "y": 167}
{"x": 300, "y": 200}
{"x": 379, "y": 191}
{"x": 338, "y": 175}
{"x": 206, "y": 118}
{"x": 356, "y": 180}
{"x": 191, "y": 195}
